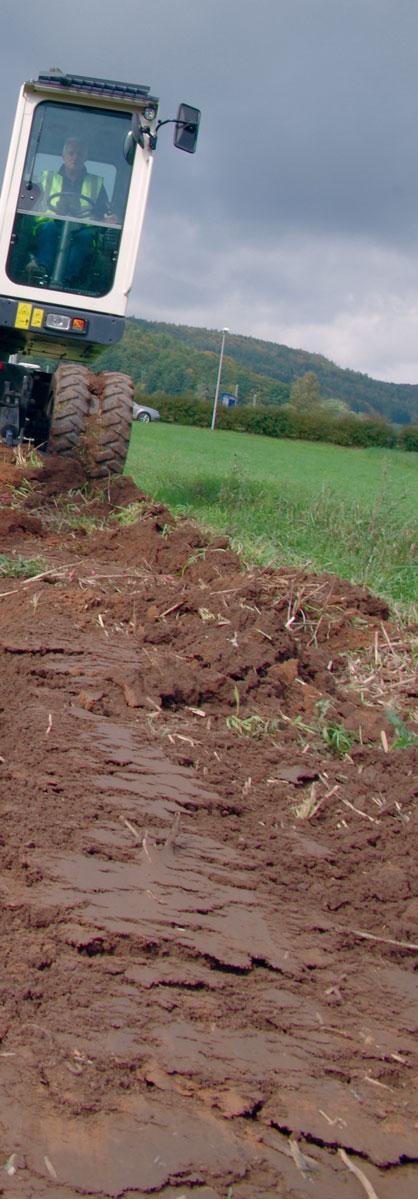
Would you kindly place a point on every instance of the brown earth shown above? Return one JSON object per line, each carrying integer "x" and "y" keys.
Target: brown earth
{"x": 209, "y": 917}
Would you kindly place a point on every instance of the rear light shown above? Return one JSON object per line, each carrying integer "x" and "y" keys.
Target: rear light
{"x": 65, "y": 324}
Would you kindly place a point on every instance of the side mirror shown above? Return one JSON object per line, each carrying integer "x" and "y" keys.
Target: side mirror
{"x": 137, "y": 130}
{"x": 186, "y": 128}
{"x": 129, "y": 146}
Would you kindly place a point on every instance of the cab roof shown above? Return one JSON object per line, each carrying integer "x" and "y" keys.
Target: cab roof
{"x": 57, "y": 81}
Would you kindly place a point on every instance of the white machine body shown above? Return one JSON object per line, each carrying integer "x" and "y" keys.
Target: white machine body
{"x": 57, "y": 267}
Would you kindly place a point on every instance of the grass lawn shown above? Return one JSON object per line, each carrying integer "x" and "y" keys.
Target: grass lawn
{"x": 353, "y": 512}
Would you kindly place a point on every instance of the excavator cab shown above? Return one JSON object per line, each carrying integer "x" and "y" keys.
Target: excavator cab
{"x": 71, "y": 215}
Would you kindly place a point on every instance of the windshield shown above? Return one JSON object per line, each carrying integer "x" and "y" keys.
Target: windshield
{"x": 72, "y": 200}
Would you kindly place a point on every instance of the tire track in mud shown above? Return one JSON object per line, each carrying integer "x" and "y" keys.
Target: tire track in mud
{"x": 184, "y": 1006}
{"x": 180, "y": 919}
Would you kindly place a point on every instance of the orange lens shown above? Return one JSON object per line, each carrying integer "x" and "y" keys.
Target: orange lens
{"x": 79, "y": 324}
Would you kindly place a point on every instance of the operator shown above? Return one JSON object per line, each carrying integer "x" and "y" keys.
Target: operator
{"x": 70, "y": 192}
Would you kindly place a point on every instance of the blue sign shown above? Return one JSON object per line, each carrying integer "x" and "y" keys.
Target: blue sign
{"x": 228, "y": 400}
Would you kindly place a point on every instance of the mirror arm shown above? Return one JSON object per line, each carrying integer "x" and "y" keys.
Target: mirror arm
{"x": 140, "y": 131}
{"x": 191, "y": 125}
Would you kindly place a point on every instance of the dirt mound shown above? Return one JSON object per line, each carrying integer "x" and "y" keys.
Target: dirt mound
{"x": 58, "y": 475}
{"x": 19, "y": 522}
{"x": 209, "y": 914}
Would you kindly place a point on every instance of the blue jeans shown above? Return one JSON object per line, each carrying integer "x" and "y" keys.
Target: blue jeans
{"x": 48, "y": 239}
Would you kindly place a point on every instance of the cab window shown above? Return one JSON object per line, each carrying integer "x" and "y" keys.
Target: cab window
{"x": 72, "y": 200}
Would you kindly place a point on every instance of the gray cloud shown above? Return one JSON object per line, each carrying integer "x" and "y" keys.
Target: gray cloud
{"x": 297, "y": 219}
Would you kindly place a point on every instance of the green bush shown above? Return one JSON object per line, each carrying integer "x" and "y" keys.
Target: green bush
{"x": 364, "y": 431}
{"x": 408, "y": 438}
{"x": 179, "y": 410}
{"x": 285, "y": 421}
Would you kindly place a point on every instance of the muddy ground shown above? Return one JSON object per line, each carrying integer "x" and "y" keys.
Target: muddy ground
{"x": 209, "y": 918}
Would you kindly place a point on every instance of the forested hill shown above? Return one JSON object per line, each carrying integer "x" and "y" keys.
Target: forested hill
{"x": 179, "y": 358}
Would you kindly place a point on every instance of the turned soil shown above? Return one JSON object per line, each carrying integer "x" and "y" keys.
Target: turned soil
{"x": 209, "y": 916}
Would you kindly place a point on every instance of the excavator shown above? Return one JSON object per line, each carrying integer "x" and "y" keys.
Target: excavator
{"x": 72, "y": 208}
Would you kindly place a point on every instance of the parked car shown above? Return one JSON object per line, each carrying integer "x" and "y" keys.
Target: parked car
{"x": 141, "y": 412}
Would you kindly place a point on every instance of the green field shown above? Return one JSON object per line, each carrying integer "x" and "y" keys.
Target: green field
{"x": 353, "y": 512}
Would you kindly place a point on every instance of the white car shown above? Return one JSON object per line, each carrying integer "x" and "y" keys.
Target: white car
{"x": 140, "y": 412}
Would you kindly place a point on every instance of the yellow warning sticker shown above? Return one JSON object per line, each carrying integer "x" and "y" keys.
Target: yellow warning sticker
{"x": 37, "y": 318}
{"x": 23, "y": 316}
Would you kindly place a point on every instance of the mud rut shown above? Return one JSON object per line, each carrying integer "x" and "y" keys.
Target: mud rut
{"x": 208, "y": 928}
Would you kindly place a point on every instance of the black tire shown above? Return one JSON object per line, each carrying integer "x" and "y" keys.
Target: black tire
{"x": 107, "y": 433}
{"x": 70, "y": 401}
{"x": 144, "y": 417}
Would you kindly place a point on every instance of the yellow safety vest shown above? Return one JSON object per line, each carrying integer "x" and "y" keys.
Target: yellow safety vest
{"x": 53, "y": 183}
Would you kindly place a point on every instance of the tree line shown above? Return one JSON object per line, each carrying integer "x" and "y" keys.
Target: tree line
{"x": 179, "y": 359}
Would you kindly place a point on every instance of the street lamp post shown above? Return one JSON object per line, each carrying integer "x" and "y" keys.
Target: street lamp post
{"x": 218, "y": 381}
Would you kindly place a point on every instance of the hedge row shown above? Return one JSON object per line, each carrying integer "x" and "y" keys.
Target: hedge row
{"x": 286, "y": 422}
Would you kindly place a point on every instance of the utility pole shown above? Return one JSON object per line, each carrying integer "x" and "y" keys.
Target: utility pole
{"x": 218, "y": 381}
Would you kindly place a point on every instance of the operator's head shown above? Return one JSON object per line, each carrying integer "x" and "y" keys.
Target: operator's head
{"x": 74, "y": 155}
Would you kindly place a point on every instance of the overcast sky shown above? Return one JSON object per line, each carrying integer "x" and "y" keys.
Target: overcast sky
{"x": 297, "y": 218}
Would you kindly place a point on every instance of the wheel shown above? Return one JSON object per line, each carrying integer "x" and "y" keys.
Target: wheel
{"x": 54, "y": 203}
{"x": 91, "y": 418}
{"x": 144, "y": 416}
{"x": 107, "y": 432}
{"x": 69, "y": 402}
